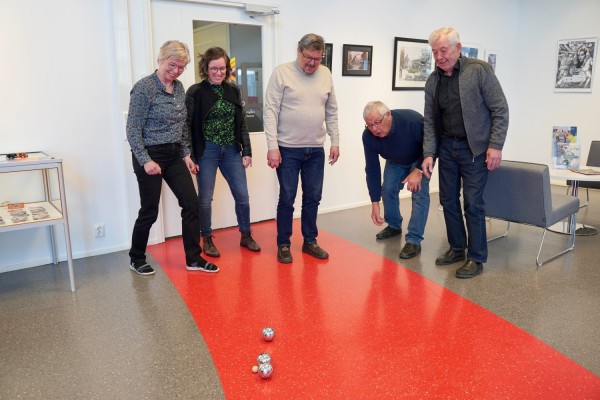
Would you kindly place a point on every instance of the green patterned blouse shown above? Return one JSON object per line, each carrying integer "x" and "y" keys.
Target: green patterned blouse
{"x": 220, "y": 121}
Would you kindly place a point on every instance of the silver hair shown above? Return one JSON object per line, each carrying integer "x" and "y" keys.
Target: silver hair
{"x": 311, "y": 41}
{"x": 449, "y": 32}
{"x": 174, "y": 49}
{"x": 375, "y": 105}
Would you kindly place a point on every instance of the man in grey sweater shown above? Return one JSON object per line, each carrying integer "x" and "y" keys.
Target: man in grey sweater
{"x": 300, "y": 109}
{"x": 466, "y": 121}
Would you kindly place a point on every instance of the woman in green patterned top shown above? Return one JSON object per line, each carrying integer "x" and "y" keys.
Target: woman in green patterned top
{"x": 220, "y": 139}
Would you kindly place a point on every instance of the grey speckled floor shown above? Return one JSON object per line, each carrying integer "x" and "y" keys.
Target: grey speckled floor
{"x": 121, "y": 337}
{"x": 116, "y": 337}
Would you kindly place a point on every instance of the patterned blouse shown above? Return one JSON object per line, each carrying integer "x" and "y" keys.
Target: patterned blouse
{"x": 156, "y": 117}
{"x": 220, "y": 121}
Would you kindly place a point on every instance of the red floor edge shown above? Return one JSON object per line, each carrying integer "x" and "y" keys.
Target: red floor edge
{"x": 357, "y": 326}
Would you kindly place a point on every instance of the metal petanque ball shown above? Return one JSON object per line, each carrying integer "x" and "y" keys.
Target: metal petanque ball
{"x": 263, "y": 358}
{"x": 265, "y": 370}
{"x": 268, "y": 333}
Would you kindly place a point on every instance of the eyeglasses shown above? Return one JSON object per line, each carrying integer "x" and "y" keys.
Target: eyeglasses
{"x": 214, "y": 70}
{"x": 171, "y": 66}
{"x": 376, "y": 123}
{"x": 309, "y": 60}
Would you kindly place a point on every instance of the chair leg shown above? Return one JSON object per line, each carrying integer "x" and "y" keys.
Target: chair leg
{"x": 502, "y": 235}
{"x": 571, "y": 242}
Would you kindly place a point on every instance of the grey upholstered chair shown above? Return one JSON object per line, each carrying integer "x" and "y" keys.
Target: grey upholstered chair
{"x": 521, "y": 192}
{"x": 593, "y": 160}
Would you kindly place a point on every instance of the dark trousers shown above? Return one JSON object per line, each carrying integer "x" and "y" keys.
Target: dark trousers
{"x": 177, "y": 176}
{"x": 458, "y": 168}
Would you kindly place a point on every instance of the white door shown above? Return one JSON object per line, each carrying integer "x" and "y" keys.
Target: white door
{"x": 173, "y": 20}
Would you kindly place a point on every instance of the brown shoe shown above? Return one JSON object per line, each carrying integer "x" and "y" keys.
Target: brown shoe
{"x": 283, "y": 254}
{"x": 248, "y": 242}
{"x": 315, "y": 250}
{"x": 469, "y": 269}
{"x": 209, "y": 247}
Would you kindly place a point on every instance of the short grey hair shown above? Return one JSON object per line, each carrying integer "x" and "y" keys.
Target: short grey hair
{"x": 375, "y": 105}
{"x": 449, "y": 32}
{"x": 311, "y": 41}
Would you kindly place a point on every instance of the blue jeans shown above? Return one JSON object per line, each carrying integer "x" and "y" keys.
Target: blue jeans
{"x": 309, "y": 164}
{"x": 393, "y": 175}
{"x": 457, "y": 165}
{"x": 179, "y": 179}
{"x": 229, "y": 162}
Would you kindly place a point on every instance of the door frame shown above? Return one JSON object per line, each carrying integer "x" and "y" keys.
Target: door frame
{"x": 135, "y": 59}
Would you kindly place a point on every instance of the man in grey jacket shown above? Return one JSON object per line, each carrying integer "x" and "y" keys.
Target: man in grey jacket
{"x": 466, "y": 121}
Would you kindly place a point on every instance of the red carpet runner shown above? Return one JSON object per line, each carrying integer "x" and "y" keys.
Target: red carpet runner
{"x": 358, "y": 326}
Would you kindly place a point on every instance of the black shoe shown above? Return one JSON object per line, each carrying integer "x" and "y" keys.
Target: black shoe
{"x": 248, "y": 242}
{"x": 315, "y": 250}
{"x": 450, "y": 257}
{"x": 283, "y": 254}
{"x": 410, "y": 250}
{"x": 209, "y": 248}
{"x": 387, "y": 233}
{"x": 203, "y": 266}
{"x": 469, "y": 269}
{"x": 141, "y": 267}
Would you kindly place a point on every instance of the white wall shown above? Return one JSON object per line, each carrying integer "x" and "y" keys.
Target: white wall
{"x": 377, "y": 25}
{"x": 61, "y": 93}
{"x": 59, "y": 96}
{"x": 537, "y": 107}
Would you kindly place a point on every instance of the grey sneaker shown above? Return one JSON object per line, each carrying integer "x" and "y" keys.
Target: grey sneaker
{"x": 203, "y": 266}
{"x": 141, "y": 268}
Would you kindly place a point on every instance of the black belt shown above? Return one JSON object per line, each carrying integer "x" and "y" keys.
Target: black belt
{"x": 163, "y": 146}
{"x": 455, "y": 137}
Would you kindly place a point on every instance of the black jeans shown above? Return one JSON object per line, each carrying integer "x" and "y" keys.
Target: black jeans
{"x": 177, "y": 176}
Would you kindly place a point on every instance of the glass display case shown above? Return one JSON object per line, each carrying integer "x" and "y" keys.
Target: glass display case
{"x": 36, "y": 180}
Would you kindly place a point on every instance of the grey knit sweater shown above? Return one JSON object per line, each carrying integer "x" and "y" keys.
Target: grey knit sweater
{"x": 484, "y": 108}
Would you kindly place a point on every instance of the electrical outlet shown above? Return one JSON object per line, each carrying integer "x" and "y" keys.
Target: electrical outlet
{"x": 99, "y": 230}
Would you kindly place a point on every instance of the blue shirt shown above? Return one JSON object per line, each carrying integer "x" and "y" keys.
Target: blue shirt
{"x": 402, "y": 145}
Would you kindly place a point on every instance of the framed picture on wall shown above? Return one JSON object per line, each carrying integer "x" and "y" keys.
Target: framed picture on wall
{"x": 491, "y": 57}
{"x": 413, "y": 63}
{"x": 326, "y": 61}
{"x": 575, "y": 65}
{"x": 471, "y": 51}
{"x": 357, "y": 60}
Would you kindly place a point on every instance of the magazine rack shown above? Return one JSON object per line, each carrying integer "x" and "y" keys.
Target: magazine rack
{"x": 48, "y": 212}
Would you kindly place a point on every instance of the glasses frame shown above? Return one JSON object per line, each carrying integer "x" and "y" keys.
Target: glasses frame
{"x": 376, "y": 123}
{"x": 214, "y": 70}
{"x": 171, "y": 66}
{"x": 308, "y": 59}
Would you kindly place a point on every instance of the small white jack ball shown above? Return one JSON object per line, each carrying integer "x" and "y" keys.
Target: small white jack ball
{"x": 265, "y": 370}
{"x": 268, "y": 333}
{"x": 263, "y": 358}
{"x": 255, "y": 368}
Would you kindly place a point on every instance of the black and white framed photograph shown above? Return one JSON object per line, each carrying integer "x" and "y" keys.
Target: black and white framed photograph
{"x": 357, "y": 60}
{"x": 413, "y": 63}
{"x": 575, "y": 64}
{"x": 327, "y": 54}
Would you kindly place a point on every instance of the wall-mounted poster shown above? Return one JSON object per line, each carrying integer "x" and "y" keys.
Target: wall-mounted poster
{"x": 471, "y": 51}
{"x": 413, "y": 63}
{"x": 565, "y": 147}
{"x": 327, "y": 54}
{"x": 575, "y": 65}
{"x": 491, "y": 56}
